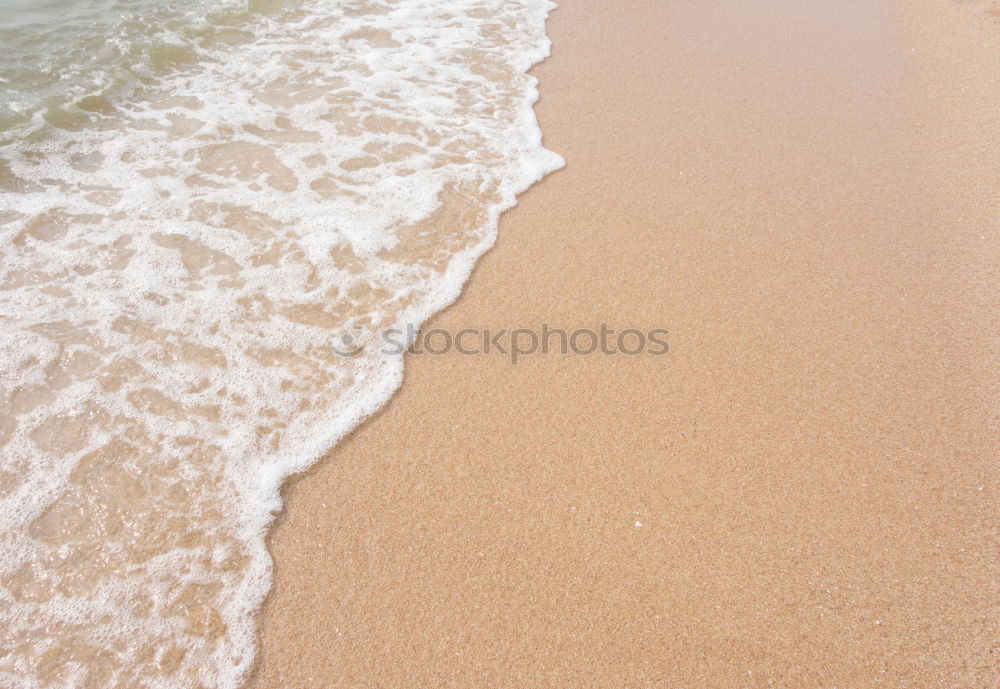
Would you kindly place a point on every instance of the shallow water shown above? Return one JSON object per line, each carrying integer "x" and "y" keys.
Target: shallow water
{"x": 58, "y": 52}
{"x": 181, "y": 244}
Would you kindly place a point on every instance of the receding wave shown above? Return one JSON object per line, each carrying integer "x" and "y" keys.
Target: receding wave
{"x": 177, "y": 261}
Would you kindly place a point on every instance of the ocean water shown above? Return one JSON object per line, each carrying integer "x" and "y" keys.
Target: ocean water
{"x": 196, "y": 200}
{"x": 58, "y": 52}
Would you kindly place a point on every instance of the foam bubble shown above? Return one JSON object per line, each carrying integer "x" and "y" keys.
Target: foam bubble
{"x": 176, "y": 265}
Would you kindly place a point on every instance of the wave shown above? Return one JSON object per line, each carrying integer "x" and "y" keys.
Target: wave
{"x": 60, "y": 54}
{"x": 178, "y": 260}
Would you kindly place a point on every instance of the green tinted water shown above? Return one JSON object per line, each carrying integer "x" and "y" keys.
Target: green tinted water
{"x": 57, "y": 52}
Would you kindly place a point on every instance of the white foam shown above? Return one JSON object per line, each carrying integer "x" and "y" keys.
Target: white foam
{"x": 173, "y": 275}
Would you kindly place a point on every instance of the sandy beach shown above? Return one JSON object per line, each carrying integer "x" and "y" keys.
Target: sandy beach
{"x": 803, "y": 492}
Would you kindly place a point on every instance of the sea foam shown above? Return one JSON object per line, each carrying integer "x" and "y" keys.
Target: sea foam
{"x": 178, "y": 260}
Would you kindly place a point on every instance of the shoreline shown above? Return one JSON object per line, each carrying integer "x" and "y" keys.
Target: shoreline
{"x": 801, "y": 491}
{"x": 182, "y": 260}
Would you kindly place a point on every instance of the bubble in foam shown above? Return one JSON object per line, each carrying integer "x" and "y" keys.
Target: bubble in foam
{"x": 175, "y": 268}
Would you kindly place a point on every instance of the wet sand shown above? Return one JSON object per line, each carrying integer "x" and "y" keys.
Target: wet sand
{"x": 803, "y": 492}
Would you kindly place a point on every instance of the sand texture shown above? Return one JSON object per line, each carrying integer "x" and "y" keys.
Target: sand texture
{"x": 803, "y": 492}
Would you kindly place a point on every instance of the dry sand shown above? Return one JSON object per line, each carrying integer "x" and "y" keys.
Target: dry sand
{"x": 805, "y": 193}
